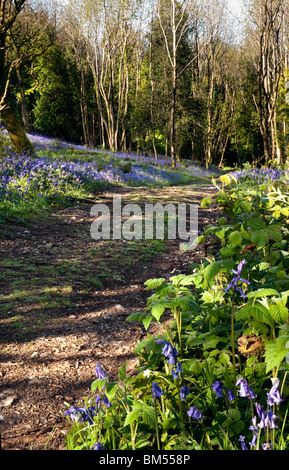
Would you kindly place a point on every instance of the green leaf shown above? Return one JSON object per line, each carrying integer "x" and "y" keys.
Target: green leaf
{"x": 137, "y": 316}
{"x": 212, "y": 270}
{"x": 275, "y": 351}
{"x": 148, "y": 415}
{"x": 262, "y": 293}
{"x": 235, "y": 238}
{"x": 256, "y": 311}
{"x": 274, "y": 233}
{"x": 132, "y": 416}
{"x": 153, "y": 283}
{"x": 278, "y": 313}
{"x": 206, "y": 201}
{"x": 259, "y": 237}
{"x": 122, "y": 373}
{"x": 246, "y": 206}
{"x": 157, "y": 311}
{"x": 147, "y": 321}
{"x": 98, "y": 384}
{"x": 111, "y": 389}
{"x": 236, "y": 425}
{"x": 257, "y": 223}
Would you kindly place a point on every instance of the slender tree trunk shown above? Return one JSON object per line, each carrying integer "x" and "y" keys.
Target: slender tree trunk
{"x": 172, "y": 121}
{"x": 23, "y": 102}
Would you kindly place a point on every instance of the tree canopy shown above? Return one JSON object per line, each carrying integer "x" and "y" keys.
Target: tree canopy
{"x": 166, "y": 77}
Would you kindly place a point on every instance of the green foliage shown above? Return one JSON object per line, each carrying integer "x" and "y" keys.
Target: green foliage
{"x": 195, "y": 313}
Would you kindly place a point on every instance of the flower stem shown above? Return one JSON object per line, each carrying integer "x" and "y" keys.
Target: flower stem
{"x": 233, "y": 338}
{"x": 157, "y": 429}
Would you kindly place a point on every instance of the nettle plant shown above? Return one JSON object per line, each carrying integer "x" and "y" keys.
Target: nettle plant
{"x": 215, "y": 378}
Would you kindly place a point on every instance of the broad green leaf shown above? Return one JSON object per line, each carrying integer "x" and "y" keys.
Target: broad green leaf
{"x": 275, "y": 351}
{"x": 257, "y": 223}
{"x": 153, "y": 283}
{"x": 206, "y": 201}
{"x": 122, "y": 372}
{"x": 212, "y": 270}
{"x": 147, "y": 321}
{"x": 148, "y": 415}
{"x": 157, "y": 311}
{"x": 262, "y": 293}
{"x": 246, "y": 206}
{"x": 98, "y": 384}
{"x": 111, "y": 389}
{"x": 278, "y": 313}
{"x": 256, "y": 311}
{"x": 132, "y": 416}
{"x": 274, "y": 233}
{"x": 137, "y": 316}
{"x": 235, "y": 238}
{"x": 259, "y": 237}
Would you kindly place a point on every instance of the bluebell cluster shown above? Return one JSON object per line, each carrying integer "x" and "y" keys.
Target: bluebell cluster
{"x": 260, "y": 175}
{"x": 24, "y": 176}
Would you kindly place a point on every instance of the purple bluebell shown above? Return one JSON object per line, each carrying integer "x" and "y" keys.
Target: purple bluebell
{"x": 195, "y": 413}
{"x": 97, "y": 446}
{"x": 267, "y": 446}
{"x": 156, "y": 390}
{"x": 243, "y": 443}
{"x": 184, "y": 392}
{"x": 274, "y": 396}
{"x": 267, "y": 418}
{"x": 218, "y": 388}
{"x": 177, "y": 372}
{"x": 245, "y": 390}
{"x": 230, "y": 395}
{"x": 102, "y": 399}
{"x": 234, "y": 282}
{"x": 255, "y": 430}
{"x": 169, "y": 351}
{"x": 100, "y": 372}
{"x": 81, "y": 414}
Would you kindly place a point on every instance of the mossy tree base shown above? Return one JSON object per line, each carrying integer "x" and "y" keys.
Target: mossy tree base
{"x": 16, "y": 132}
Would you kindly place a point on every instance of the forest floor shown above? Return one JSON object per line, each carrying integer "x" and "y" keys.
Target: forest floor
{"x": 64, "y": 300}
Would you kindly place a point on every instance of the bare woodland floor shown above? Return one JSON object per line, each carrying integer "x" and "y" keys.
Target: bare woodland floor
{"x": 64, "y": 300}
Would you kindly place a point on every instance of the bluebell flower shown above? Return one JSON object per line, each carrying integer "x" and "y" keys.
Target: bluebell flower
{"x": 267, "y": 446}
{"x": 195, "y": 413}
{"x": 254, "y": 428}
{"x": 243, "y": 443}
{"x": 267, "y": 418}
{"x": 81, "y": 414}
{"x": 169, "y": 351}
{"x": 177, "y": 372}
{"x": 218, "y": 388}
{"x": 230, "y": 395}
{"x": 270, "y": 420}
{"x": 156, "y": 390}
{"x": 100, "y": 372}
{"x": 97, "y": 446}
{"x": 184, "y": 392}
{"x": 234, "y": 282}
{"x": 102, "y": 399}
{"x": 274, "y": 396}
{"x": 245, "y": 390}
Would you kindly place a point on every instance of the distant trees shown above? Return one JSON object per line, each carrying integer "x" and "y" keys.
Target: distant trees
{"x": 267, "y": 29}
{"x": 164, "y": 76}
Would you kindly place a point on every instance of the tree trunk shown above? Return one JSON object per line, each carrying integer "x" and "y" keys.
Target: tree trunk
{"x": 23, "y": 103}
{"x": 172, "y": 121}
{"x": 16, "y": 132}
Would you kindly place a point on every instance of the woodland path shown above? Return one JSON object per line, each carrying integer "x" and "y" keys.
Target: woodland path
{"x": 64, "y": 300}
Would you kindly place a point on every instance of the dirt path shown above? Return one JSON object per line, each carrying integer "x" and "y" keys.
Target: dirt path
{"x": 64, "y": 300}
